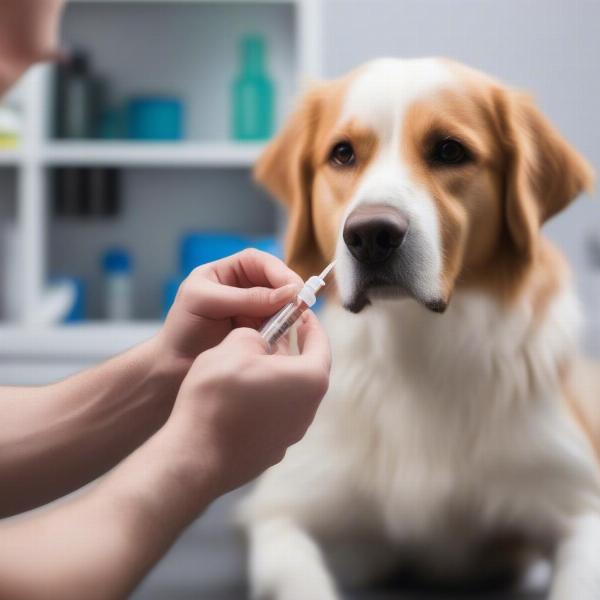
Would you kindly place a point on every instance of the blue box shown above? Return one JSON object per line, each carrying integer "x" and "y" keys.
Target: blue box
{"x": 155, "y": 118}
{"x": 200, "y": 248}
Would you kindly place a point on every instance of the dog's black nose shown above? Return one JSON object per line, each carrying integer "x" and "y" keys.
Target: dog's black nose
{"x": 373, "y": 232}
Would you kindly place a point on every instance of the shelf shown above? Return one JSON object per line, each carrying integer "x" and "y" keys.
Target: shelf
{"x": 10, "y": 158}
{"x": 93, "y": 340}
{"x": 187, "y": 1}
{"x": 152, "y": 154}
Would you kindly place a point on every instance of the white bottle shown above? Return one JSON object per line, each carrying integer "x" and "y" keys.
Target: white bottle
{"x": 118, "y": 282}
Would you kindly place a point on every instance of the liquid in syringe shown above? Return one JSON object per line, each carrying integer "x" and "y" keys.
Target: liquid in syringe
{"x": 280, "y": 323}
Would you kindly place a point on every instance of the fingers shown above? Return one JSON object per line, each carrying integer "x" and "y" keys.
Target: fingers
{"x": 313, "y": 343}
{"x": 253, "y": 268}
{"x": 250, "y": 284}
{"x": 216, "y": 301}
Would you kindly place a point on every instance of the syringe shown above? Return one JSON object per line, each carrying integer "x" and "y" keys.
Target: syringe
{"x": 279, "y": 324}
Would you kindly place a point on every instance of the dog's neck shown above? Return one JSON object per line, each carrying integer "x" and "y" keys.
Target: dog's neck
{"x": 476, "y": 343}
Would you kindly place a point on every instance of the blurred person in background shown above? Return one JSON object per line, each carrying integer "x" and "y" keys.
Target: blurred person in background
{"x": 191, "y": 414}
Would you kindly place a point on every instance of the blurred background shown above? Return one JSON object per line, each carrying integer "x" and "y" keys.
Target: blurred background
{"x": 127, "y": 166}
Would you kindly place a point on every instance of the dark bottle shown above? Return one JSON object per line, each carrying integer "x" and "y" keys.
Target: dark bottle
{"x": 75, "y": 102}
{"x": 69, "y": 191}
{"x": 90, "y": 192}
{"x": 103, "y": 192}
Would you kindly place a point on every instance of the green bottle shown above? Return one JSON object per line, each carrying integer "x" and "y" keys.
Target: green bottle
{"x": 252, "y": 93}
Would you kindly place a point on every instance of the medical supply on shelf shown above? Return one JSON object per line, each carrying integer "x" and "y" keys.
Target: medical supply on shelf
{"x": 64, "y": 300}
{"x": 68, "y": 190}
{"x": 77, "y": 98}
{"x": 118, "y": 282}
{"x": 253, "y": 94}
{"x": 169, "y": 291}
{"x": 86, "y": 192}
{"x": 155, "y": 118}
{"x": 103, "y": 192}
{"x": 111, "y": 123}
{"x": 280, "y": 323}
{"x": 10, "y": 270}
{"x": 200, "y": 248}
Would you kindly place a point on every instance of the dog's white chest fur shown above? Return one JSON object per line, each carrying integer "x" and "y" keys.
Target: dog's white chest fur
{"x": 437, "y": 432}
{"x": 458, "y": 416}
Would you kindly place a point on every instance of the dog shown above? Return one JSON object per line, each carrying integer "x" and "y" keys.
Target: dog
{"x": 460, "y": 436}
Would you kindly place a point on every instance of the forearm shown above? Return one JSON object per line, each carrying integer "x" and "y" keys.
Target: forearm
{"x": 56, "y": 438}
{"x": 100, "y": 545}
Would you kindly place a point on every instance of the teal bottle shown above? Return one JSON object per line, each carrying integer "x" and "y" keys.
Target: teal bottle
{"x": 253, "y": 96}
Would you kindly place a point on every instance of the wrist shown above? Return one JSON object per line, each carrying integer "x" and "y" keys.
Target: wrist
{"x": 166, "y": 363}
{"x": 165, "y": 370}
{"x": 152, "y": 492}
{"x": 189, "y": 464}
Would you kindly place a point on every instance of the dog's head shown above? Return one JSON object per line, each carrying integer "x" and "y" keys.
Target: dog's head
{"x": 417, "y": 175}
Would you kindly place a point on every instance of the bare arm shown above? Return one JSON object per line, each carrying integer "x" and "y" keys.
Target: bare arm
{"x": 237, "y": 411}
{"x": 100, "y": 544}
{"x": 56, "y": 438}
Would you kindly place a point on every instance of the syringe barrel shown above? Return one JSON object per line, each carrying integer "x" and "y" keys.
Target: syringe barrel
{"x": 281, "y": 322}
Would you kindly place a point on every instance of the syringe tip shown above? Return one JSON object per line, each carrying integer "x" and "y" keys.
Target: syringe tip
{"x": 327, "y": 270}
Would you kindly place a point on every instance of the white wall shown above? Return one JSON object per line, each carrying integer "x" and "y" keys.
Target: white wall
{"x": 549, "y": 47}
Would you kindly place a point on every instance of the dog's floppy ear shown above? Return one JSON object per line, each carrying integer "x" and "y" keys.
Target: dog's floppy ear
{"x": 544, "y": 172}
{"x": 286, "y": 170}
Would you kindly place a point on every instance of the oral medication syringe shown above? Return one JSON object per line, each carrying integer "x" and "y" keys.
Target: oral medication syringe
{"x": 281, "y": 322}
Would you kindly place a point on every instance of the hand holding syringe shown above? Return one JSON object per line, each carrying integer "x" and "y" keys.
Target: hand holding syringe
{"x": 280, "y": 323}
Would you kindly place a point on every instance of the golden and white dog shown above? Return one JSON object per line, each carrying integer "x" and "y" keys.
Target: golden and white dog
{"x": 458, "y": 435}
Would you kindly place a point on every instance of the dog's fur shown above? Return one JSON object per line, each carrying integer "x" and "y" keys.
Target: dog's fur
{"x": 457, "y": 444}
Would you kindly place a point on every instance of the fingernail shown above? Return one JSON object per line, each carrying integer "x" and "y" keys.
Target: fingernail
{"x": 283, "y": 293}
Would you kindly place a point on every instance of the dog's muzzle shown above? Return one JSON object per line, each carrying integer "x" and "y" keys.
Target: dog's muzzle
{"x": 373, "y": 233}
{"x": 387, "y": 257}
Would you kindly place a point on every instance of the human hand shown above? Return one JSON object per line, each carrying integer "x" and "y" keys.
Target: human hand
{"x": 239, "y": 291}
{"x": 239, "y": 408}
{"x": 30, "y": 31}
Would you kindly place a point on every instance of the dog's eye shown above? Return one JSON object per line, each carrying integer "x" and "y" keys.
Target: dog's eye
{"x": 342, "y": 154}
{"x": 450, "y": 152}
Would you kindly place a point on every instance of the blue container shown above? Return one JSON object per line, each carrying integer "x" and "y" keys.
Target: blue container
{"x": 155, "y": 118}
{"x": 170, "y": 288}
{"x": 110, "y": 125}
{"x": 116, "y": 260}
{"x": 200, "y": 248}
{"x": 77, "y": 312}
{"x": 269, "y": 244}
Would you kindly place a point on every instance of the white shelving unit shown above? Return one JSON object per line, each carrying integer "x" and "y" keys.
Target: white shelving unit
{"x": 10, "y": 158}
{"x": 133, "y": 154}
{"x": 142, "y": 45}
